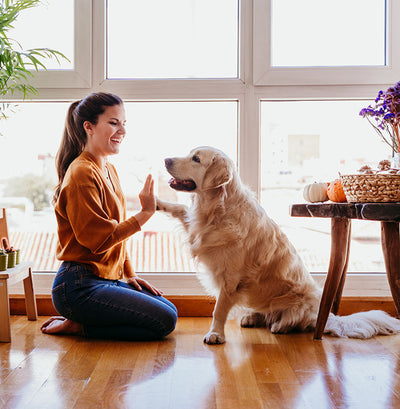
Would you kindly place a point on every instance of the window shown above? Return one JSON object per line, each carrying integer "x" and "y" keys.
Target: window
{"x": 70, "y": 25}
{"x": 30, "y": 139}
{"x": 318, "y": 41}
{"x": 30, "y": 34}
{"x": 321, "y": 139}
{"x": 321, "y": 42}
{"x": 172, "y": 39}
{"x": 155, "y": 130}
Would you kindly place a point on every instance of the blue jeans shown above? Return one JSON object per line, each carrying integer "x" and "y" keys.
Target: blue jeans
{"x": 110, "y": 309}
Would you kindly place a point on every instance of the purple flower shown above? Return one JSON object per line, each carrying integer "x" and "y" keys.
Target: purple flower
{"x": 380, "y": 93}
{"x": 386, "y": 115}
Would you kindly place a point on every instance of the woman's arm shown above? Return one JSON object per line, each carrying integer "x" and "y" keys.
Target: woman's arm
{"x": 92, "y": 212}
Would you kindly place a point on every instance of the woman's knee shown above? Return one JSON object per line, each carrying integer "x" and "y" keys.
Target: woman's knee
{"x": 168, "y": 322}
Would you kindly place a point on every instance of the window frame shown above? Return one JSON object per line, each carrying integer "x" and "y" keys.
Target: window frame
{"x": 249, "y": 89}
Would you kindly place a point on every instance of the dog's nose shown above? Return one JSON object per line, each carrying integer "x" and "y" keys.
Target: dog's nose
{"x": 168, "y": 162}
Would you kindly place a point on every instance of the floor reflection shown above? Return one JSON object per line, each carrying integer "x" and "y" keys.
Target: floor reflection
{"x": 186, "y": 384}
{"x": 253, "y": 370}
{"x": 259, "y": 370}
{"x": 353, "y": 374}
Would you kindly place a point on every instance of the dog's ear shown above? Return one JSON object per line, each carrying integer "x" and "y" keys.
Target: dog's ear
{"x": 219, "y": 173}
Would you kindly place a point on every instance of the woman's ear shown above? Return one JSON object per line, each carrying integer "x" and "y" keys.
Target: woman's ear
{"x": 88, "y": 127}
{"x": 218, "y": 173}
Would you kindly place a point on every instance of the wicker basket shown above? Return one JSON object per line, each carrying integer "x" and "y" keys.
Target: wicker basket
{"x": 371, "y": 188}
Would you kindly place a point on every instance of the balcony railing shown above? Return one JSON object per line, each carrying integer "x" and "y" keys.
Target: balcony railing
{"x": 150, "y": 251}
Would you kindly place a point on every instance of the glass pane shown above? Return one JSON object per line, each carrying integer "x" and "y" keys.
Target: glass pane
{"x": 320, "y": 140}
{"x": 158, "y": 130}
{"x": 30, "y": 139}
{"x": 33, "y": 26}
{"x": 328, "y": 33}
{"x": 172, "y": 39}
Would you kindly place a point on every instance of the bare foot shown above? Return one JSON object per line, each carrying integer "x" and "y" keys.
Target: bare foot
{"x": 61, "y": 325}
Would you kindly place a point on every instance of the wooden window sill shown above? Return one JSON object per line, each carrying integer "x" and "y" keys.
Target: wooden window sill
{"x": 202, "y": 305}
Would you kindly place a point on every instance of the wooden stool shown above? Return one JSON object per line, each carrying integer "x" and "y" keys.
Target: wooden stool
{"x": 22, "y": 271}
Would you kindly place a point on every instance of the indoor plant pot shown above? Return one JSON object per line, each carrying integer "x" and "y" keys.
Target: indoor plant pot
{"x": 12, "y": 257}
{"x": 3, "y": 260}
{"x": 12, "y": 253}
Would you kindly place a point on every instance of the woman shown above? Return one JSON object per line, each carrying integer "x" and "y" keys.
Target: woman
{"x": 92, "y": 231}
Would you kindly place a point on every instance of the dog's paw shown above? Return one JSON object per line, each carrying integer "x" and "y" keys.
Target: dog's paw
{"x": 279, "y": 328}
{"x": 160, "y": 204}
{"x": 251, "y": 320}
{"x": 213, "y": 338}
{"x": 247, "y": 321}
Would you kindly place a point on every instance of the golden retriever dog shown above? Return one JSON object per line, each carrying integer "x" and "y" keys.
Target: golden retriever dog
{"x": 248, "y": 260}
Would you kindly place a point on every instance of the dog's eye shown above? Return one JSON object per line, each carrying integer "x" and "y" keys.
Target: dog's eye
{"x": 195, "y": 158}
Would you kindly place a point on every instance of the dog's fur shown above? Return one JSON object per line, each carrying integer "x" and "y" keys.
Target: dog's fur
{"x": 249, "y": 261}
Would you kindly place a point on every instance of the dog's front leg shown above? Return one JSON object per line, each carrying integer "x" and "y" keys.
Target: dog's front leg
{"x": 216, "y": 334}
{"x": 179, "y": 211}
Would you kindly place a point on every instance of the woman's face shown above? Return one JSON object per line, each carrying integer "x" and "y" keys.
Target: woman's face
{"x": 105, "y": 138}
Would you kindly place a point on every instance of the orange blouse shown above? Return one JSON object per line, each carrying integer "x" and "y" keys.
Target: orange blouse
{"x": 91, "y": 218}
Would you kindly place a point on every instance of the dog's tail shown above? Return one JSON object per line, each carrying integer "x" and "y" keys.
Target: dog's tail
{"x": 362, "y": 325}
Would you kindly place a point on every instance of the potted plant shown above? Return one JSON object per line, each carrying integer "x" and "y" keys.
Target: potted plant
{"x": 11, "y": 252}
{"x": 16, "y": 64}
{"x": 3, "y": 260}
{"x": 384, "y": 116}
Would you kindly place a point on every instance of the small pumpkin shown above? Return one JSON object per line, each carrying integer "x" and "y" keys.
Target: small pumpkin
{"x": 335, "y": 191}
{"x": 316, "y": 192}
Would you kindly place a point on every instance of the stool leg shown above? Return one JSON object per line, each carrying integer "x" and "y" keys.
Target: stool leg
{"x": 5, "y": 330}
{"x": 339, "y": 248}
{"x": 391, "y": 252}
{"x": 30, "y": 299}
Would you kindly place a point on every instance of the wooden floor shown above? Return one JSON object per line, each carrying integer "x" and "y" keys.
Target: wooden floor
{"x": 253, "y": 370}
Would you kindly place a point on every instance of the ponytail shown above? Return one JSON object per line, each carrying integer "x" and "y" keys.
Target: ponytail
{"x": 74, "y": 137}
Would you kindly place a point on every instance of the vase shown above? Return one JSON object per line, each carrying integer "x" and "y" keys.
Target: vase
{"x": 395, "y": 162}
{"x": 17, "y": 256}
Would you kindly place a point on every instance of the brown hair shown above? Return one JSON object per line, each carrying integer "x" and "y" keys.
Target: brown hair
{"x": 74, "y": 137}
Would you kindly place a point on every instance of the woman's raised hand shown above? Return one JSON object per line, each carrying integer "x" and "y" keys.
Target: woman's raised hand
{"x": 147, "y": 201}
{"x": 146, "y": 196}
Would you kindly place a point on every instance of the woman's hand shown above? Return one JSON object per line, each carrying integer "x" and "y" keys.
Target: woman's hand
{"x": 147, "y": 201}
{"x": 146, "y": 196}
{"x": 139, "y": 284}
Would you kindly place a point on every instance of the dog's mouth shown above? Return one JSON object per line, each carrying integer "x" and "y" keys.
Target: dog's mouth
{"x": 177, "y": 184}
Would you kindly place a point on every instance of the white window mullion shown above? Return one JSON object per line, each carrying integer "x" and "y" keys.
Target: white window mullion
{"x": 248, "y": 115}
{"x": 99, "y": 43}
{"x": 248, "y": 143}
{"x": 186, "y": 89}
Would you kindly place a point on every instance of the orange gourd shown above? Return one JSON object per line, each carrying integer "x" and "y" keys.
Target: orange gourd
{"x": 335, "y": 191}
